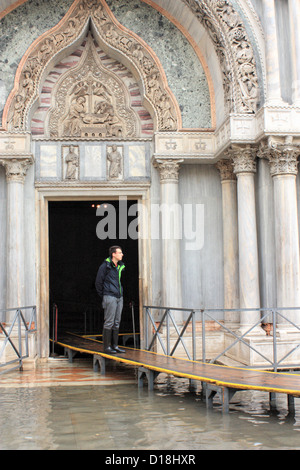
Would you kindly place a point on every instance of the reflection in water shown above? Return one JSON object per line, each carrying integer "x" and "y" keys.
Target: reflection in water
{"x": 125, "y": 417}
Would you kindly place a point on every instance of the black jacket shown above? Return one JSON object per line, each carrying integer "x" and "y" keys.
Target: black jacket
{"x": 108, "y": 280}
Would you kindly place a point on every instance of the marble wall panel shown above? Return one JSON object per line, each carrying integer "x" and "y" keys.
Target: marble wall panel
{"x": 48, "y": 164}
{"x": 202, "y": 269}
{"x": 92, "y": 162}
{"x": 137, "y": 161}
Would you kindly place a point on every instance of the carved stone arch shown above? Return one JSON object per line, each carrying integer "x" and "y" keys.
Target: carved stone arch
{"x": 113, "y": 38}
{"x": 234, "y": 50}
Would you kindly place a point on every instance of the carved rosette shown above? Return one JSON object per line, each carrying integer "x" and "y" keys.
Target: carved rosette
{"x": 236, "y": 56}
{"x": 114, "y": 37}
{"x": 168, "y": 169}
{"x": 244, "y": 159}
{"x": 226, "y": 170}
{"x": 16, "y": 168}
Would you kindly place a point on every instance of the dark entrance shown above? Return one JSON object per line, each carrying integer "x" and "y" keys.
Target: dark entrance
{"x": 75, "y": 254}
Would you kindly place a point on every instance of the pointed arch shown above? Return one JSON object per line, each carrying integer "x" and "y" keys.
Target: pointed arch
{"x": 89, "y": 94}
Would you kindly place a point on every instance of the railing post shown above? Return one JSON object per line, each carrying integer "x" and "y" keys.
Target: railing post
{"x": 147, "y": 329}
{"x": 20, "y": 339}
{"x": 168, "y": 332}
{"x": 194, "y": 334}
{"x": 274, "y": 341}
{"x": 18, "y": 319}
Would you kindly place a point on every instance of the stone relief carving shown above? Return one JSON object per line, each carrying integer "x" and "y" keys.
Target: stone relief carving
{"x": 71, "y": 162}
{"x": 91, "y": 101}
{"x": 114, "y": 162}
{"x": 155, "y": 87}
{"x": 234, "y": 50}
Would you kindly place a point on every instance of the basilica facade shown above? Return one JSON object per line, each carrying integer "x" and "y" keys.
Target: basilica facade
{"x": 189, "y": 109}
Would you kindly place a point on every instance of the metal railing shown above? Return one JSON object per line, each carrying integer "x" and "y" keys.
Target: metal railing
{"x": 13, "y": 336}
{"x": 272, "y": 315}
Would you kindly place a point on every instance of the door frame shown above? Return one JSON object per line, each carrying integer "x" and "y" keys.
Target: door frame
{"x": 44, "y": 194}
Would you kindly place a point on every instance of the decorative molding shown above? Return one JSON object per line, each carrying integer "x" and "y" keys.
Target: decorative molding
{"x": 282, "y": 157}
{"x": 243, "y": 157}
{"x": 17, "y": 143}
{"x": 89, "y": 186}
{"x": 16, "y": 168}
{"x": 168, "y": 169}
{"x": 225, "y": 168}
{"x": 187, "y": 145}
{"x": 96, "y": 15}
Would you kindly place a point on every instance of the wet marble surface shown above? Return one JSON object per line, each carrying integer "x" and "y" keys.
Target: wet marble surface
{"x": 59, "y": 371}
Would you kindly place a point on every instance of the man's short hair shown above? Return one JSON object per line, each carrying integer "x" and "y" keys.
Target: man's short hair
{"x": 113, "y": 249}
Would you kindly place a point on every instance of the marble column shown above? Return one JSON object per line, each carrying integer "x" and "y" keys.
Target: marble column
{"x": 230, "y": 239}
{"x": 294, "y": 10}
{"x": 244, "y": 159}
{"x": 170, "y": 232}
{"x": 16, "y": 169}
{"x": 283, "y": 168}
{"x": 272, "y": 56}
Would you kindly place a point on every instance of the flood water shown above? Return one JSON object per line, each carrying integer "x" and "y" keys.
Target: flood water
{"x": 124, "y": 417}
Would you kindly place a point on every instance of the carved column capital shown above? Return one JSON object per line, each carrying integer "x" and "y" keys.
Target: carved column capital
{"x": 16, "y": 168}
{"x": 169, "y": 169}
{"x": 225, "y": 168}
{"x": 283, "y": 158}
{"x": 244, "y": 158}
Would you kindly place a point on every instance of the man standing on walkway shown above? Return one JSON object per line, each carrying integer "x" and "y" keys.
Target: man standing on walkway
{"x": 109, "y": 287}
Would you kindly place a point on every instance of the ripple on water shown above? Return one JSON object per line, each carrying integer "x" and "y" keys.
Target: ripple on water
{"x": 125, "y": 417}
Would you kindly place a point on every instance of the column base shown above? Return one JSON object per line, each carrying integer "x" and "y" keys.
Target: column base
{"x": 285, "y": 330}
{"x": 256, "y": 331}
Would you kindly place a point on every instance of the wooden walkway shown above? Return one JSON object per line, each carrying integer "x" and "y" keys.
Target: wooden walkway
{"x": 216, "y": 379}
